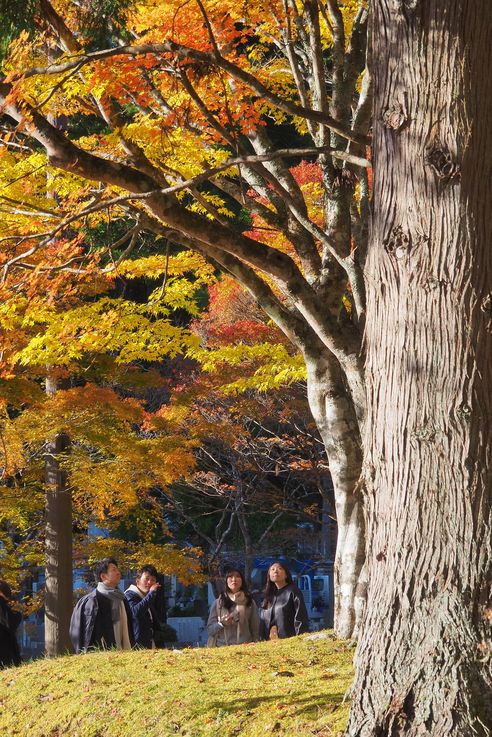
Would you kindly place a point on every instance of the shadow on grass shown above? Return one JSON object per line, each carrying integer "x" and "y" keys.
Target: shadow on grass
{"x": 234, "y": 704}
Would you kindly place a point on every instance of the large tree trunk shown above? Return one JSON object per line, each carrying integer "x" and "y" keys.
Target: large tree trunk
{"x": 58, "y": 547}
{"x": 334, "y": 414}
{"x": 424, "y": 658}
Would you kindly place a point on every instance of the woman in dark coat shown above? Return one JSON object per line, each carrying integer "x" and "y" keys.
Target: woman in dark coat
{"x": 9, "y": 621}
{"x": 283, "y": 611}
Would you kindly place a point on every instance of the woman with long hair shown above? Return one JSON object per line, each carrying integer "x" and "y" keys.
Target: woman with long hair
{"x": 283, "y": 611}
{"x": 233, "y": 618}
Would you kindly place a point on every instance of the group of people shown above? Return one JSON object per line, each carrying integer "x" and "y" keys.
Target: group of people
{"x": 110, "y": 618}
{"x": 235, "y": 619}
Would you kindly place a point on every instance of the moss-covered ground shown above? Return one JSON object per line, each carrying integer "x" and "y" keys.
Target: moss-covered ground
{"x": 289, "y": 687}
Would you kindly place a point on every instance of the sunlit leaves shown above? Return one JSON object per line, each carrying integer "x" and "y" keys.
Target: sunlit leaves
{"x": 167, "y": 558}
{"x": 114, "y": 462}
{"x": 277, "y": 366}
{"x": 116, "y": 326}
{"x": 154, "y": 119}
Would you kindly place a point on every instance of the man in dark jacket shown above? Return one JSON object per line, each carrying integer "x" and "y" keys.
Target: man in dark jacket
{"x": 102, "y": 619}
{"x": 9, "y": 621}
{"x": 141, "y": 598}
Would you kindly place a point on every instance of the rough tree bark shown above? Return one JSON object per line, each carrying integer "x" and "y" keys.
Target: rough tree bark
{"x": 424, "y": 659}
{"x": 58, "y": 546}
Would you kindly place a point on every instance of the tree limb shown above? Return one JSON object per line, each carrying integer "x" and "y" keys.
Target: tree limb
{"x": 184, "y": 52}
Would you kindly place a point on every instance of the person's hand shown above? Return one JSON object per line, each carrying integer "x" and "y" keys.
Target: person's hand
{"x": 227, "y": 619}
{"x": 155, "y": 587}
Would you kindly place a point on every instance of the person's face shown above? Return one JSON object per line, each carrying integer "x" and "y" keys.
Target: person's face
{"x": 145, "y": 581}
{"x": 112, "y": 577}
{"x": 234, "y": 582}
{"x": 278, "y": 575}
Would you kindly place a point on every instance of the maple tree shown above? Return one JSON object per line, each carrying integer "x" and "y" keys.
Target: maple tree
{"x": 260, "y": 456}
{"x": 237, "y": 339}
{"x": 192, "y": 96}
{"x": 189, "y": 98}
{"x": 115, "y": 458}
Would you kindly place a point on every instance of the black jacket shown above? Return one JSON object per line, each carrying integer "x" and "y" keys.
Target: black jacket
{"x": 92, "y": 624}
{"x": 9, "y": 647}
{"x": 288, "y": 613}
{"x": 144, "y": 617}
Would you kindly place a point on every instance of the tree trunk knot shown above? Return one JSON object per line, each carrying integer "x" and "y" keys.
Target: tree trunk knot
{"x": 398, "y": 243}
{"x": 486, "y": 304}
{"x": 432, "y": 283}
{"x": 425, "y": 433}
{"x": 440, "y": 159}
{"x": 406, "y": 8}
{"x": 464, "y": 411}
{"x": 395, "y": 117}
{"x": 343, "y": 179}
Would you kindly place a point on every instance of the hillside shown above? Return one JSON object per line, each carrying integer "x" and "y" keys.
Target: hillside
{"x": 289, "y": 687}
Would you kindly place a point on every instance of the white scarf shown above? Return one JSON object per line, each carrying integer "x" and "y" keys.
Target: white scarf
{"x": 136, "y": 590}
{"x": 239, "y": 600}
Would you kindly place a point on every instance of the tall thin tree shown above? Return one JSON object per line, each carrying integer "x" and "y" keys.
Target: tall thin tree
{"x": 58, "y": 543}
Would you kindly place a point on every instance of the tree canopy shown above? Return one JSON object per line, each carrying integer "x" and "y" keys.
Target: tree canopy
{"x": 238, "y": 132}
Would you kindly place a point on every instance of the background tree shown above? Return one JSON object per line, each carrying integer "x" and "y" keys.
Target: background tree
{"x": 260, "y": 457}
{"x": 423, "y": 661}
{"x": 114, "y": 461}
{"x": 189, "y": 144}
{"x": 261, "y": 471}
{"x": 58, "y": 598}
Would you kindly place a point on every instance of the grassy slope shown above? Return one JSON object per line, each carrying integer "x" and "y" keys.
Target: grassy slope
{"x": 245, "y": 690}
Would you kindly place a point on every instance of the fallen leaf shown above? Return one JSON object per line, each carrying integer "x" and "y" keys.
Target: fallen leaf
{"x": 284, "y": 673}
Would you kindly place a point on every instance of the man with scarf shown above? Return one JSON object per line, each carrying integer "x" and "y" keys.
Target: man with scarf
{"x": 102, "y": 619}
